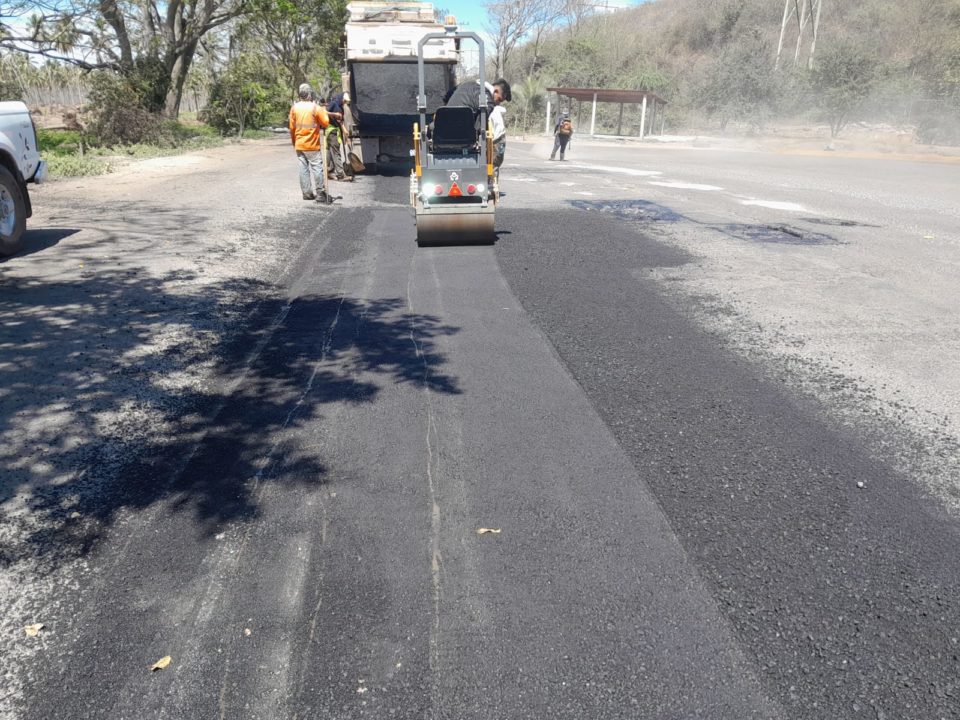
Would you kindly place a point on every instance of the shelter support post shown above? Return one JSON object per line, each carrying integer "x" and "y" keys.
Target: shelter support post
{"x": 546, "y": 127}
{"x": 643, "y": 118}
{"x": 651, "y": 106}
{"x": 593, "y": 116}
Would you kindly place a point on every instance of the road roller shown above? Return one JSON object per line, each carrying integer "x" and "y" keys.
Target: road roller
{"x": 452, "y": 185}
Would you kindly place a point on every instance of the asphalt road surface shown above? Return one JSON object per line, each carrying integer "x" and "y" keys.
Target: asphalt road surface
{"x": 682, "y": 444}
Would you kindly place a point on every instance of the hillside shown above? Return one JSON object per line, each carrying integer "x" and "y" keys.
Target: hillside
{"x": 714, "y": 61}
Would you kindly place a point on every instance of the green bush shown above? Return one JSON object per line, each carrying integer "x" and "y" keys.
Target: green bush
{"x": 59, "y": 142}
{"x": 186, "y": 133}
{"x": 940, "y": 125}
{"x": 150, "y": 79}
{"x": 740, "y": 84}
{"x": 843, "y": 78}
{"x": 119, "y": 116}
{"x": 247, "y": 95}
{"x": 63, "y": 166}
{"x": 10, "y": 90}
{"x": 140, "y": 151}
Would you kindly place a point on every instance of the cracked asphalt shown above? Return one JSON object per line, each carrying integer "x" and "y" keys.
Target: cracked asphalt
{"x": 705, "y": 396}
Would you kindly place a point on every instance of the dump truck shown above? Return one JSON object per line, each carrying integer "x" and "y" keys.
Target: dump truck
{"x": 381, "y": 41}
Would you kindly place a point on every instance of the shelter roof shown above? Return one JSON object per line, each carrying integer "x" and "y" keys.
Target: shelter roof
{"x": 608, "y": 95}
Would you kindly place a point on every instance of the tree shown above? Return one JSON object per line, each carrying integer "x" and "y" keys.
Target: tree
{"x": 741, "y": 84}
{"x": 528, "y": 99}
{"x": 575, "y": 12}
{"x": 842, "y": 79}
{"x": 109, "y": 34}
{"x": 301, "y": 37}
{"x": 247, "y": 93}
{"x": 510, "y": 21}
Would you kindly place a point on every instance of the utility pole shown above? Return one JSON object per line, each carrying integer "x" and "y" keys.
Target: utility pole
{"x": 807, "y": 13}
{"x": 804, "y": 17}
{"x": 816, "y": 29}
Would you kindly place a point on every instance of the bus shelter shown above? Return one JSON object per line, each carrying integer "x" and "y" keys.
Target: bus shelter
{"x": 652, "y": 107}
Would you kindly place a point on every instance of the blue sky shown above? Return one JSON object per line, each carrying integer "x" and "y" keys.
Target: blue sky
{"x": 472, "y": 15}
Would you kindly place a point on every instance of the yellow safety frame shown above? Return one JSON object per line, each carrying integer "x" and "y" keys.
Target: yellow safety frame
{"x": 489, "y": 151}
{"x": 416, "y": 150}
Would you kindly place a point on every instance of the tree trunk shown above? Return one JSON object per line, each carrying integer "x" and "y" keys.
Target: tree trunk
{"x": 111, "y": 13}
{"x": 295, "y": 71}
{"x": 179, "y": 67}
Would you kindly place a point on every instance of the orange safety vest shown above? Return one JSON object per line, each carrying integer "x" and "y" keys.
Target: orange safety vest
{"x": 306, "y": 119}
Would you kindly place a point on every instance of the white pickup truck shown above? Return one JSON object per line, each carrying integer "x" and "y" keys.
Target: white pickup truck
{"x": 20, "y": 164}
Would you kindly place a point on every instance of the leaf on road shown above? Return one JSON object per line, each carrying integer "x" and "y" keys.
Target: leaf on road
{"x": 33, "y": 630}
{"x": 484, "y": 531}
{"x": 161, "y": 663}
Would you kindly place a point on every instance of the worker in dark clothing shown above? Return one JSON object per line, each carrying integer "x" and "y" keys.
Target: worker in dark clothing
{"x": 467, "y": 94}
{"x": 334, "y": 133}
{"x": 562, "y": 132}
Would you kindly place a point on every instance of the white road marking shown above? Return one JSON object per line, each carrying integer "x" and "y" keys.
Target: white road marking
{"x": 568, "y": 184}
{"x": 624, "y": 171}
{"x": 524, "y": 179}
{"x": 684, "y": 186}
{"x": 773, "y": 205}
{"x": 583, "y": 192}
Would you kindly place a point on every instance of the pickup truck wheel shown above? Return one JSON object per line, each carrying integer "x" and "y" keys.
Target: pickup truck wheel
{"x": 13, "y": 213}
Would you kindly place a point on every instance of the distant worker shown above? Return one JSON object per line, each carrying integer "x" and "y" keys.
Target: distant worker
{"x": 307, "y": 119}
{"x": 335, "y": 133}
{"x": 562, "y": 132}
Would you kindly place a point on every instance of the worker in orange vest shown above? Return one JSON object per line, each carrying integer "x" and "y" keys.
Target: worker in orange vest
{"x": 307, "y": 121}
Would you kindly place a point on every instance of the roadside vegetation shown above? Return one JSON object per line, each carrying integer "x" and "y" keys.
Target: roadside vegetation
{"x": 111, "y": 80}
{"x": 151, "y": 76}
{"x": 114, "y": 121}
{"x": 716, "y": 61}
{"x": 71, "y": 154}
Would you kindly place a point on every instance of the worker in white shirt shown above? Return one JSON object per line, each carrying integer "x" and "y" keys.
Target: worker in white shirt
{"x": 498, "y": 121}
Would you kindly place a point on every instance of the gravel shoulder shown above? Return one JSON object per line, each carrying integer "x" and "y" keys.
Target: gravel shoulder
{"x": 112, "y": 318}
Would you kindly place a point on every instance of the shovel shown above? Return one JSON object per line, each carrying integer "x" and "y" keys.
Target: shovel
{"x": 326, "y": 180}
{"x": 353, "y": 158}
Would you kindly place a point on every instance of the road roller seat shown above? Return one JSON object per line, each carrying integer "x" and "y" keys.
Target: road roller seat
{"x": 454, "y": 130}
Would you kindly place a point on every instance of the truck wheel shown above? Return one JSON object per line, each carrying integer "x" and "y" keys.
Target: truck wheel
{"x": 13, "y": 213}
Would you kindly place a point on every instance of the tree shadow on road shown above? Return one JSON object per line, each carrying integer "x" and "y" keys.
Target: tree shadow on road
{"x": 118, "y": 391}
{"x": 35, "y": 241}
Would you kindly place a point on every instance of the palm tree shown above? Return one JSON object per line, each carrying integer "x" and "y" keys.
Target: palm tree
{"x": 529, "y": 93}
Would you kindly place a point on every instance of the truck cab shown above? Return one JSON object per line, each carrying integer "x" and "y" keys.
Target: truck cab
{"x": 20, "y": 164}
